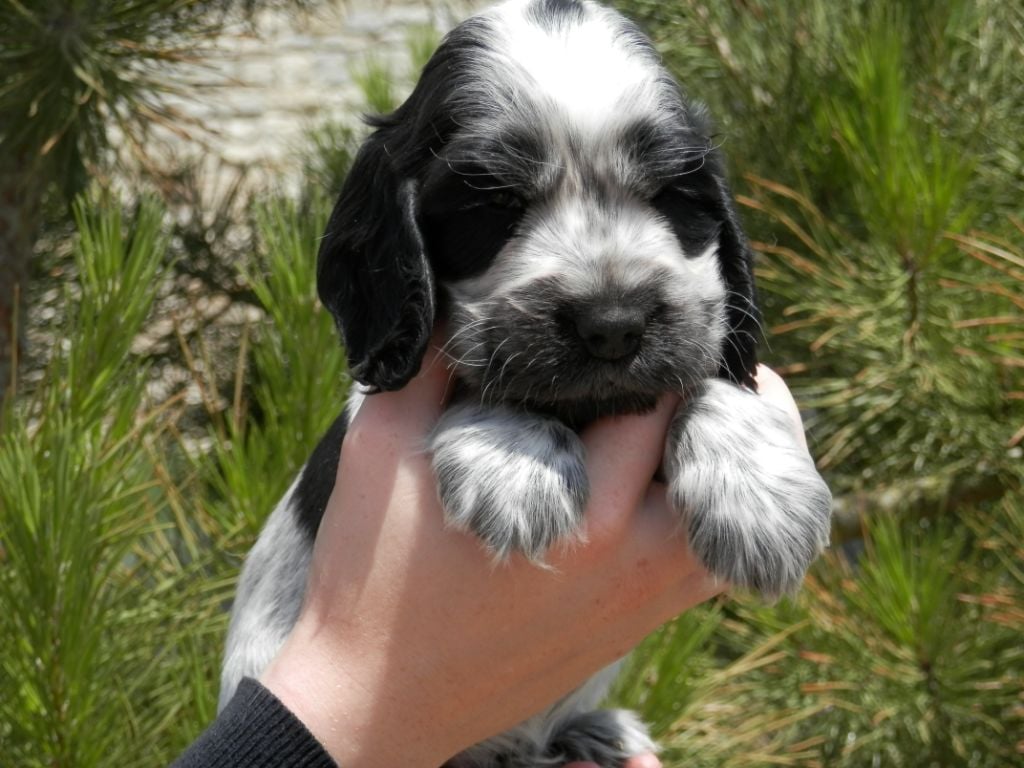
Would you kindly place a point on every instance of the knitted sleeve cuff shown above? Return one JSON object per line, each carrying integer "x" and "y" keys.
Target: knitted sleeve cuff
{"x": 257, "y": 731}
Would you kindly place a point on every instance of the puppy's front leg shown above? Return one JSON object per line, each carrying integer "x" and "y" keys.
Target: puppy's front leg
{"x": 756, "y": 510}
{"x": 514, "y": 478}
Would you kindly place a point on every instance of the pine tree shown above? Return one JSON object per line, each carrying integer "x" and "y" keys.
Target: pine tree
{"x": 880, "y": 171}
{"x": 82, "y": 85}
{"x": 881, "y": 174}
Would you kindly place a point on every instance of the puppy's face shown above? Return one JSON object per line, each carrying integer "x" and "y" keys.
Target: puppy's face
{"x": 564, "y": 209}
{"x": 579, "y": 260}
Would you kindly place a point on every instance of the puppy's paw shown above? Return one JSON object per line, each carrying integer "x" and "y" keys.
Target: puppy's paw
{"x": 517, "y": 480}
{"x": 756, "y": 509}
{"x": 608, "y": 737}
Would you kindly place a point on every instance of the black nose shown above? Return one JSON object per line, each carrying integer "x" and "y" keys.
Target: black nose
{"x": 610, "y": 332}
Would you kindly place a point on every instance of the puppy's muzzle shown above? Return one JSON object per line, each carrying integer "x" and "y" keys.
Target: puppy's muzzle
{"x": 610, "y": 331}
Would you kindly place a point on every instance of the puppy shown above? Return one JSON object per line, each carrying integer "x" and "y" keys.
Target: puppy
{"x": 549, "y": 192}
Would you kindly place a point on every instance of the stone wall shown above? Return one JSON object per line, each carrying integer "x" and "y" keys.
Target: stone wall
{"x": 265, "y": 83}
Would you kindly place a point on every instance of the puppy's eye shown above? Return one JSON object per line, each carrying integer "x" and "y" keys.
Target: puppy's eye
{"x": 498, "y": 199}
{"x": 466, "y": 225}
{"x": 692, "y": 221}
{"x": 507, "y": 200}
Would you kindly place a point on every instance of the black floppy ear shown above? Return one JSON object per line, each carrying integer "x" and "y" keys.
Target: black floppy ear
{"x": 372, "y": 270}
{"x": 736, "y": 260}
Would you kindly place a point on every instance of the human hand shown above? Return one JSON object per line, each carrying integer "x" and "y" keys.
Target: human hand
{"x": 772, "y": 388}
{"x": 640, "y": 761}
{"x": 412, "y": 644}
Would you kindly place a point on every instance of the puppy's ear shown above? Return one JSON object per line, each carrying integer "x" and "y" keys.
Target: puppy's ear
{"x": 372, "y": 270}
{"x": 739, "y": 354}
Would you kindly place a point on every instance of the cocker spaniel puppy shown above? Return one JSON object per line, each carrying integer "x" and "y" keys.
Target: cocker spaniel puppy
{"x": 550, "y": 192}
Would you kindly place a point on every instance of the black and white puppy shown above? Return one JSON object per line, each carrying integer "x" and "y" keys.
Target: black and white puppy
{"x": 550, "y": 193}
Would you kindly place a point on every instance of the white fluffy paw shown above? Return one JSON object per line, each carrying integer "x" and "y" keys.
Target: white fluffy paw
{"x": 756, "y": 509}
{"x": 516, "y": 480}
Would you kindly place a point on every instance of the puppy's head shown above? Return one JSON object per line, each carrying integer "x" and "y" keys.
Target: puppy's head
{"x": 547, "y": 189}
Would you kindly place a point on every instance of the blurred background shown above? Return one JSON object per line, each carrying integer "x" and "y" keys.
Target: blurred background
{"x": 166, "y": 168}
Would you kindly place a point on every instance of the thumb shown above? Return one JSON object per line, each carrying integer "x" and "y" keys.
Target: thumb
{"x": 410, "y": 412}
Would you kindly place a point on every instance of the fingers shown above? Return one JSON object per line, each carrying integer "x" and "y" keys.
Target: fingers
{"x": 640, "y": 761}
{"x": 643, "y": 761}
{"x": 772, "y": 388}
{"x": 656, "y": 566}
{"x": 414, "y": 409}
{"x": 623, "y": 455}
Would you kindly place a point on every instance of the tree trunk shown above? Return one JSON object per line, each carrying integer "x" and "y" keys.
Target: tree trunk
{"x": 19, "y": 217}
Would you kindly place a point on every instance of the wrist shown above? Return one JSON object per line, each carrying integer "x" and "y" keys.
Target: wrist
{"x": 344, "y": 702}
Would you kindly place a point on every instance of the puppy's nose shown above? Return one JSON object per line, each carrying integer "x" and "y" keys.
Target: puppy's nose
{"x": 610, "y": 332}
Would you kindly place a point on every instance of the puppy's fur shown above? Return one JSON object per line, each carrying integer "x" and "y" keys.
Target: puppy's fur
{"x": 551, "y": 194}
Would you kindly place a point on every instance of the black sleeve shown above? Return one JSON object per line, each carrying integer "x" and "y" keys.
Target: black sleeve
{"x": 255, "y": 730}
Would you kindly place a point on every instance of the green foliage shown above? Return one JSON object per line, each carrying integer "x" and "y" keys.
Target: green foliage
{"x": 376, "y": 81}
{"x": 255, "y": 444}
{"x": 910, "y": 658}
{"x": 907, "y": 353}
{"x": 909, "y": 179}
{"x": 421, "y": 44}
{"x": 71, "y": 71}
{"x": 82, "y": 86}
{"x": 331, "y": 145}
{"x": 883, "y": 181}
{"x": 876, "y": 140}
{"x": 772, "y": 72}
{"x": 331, "y": 148}
{"x": 120, "y": 542}
{"x": 67, "y": 66}
{"x": 76, "y": 501}
{"x": 294, "y": 396}
{"x": 883, "y": 174}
